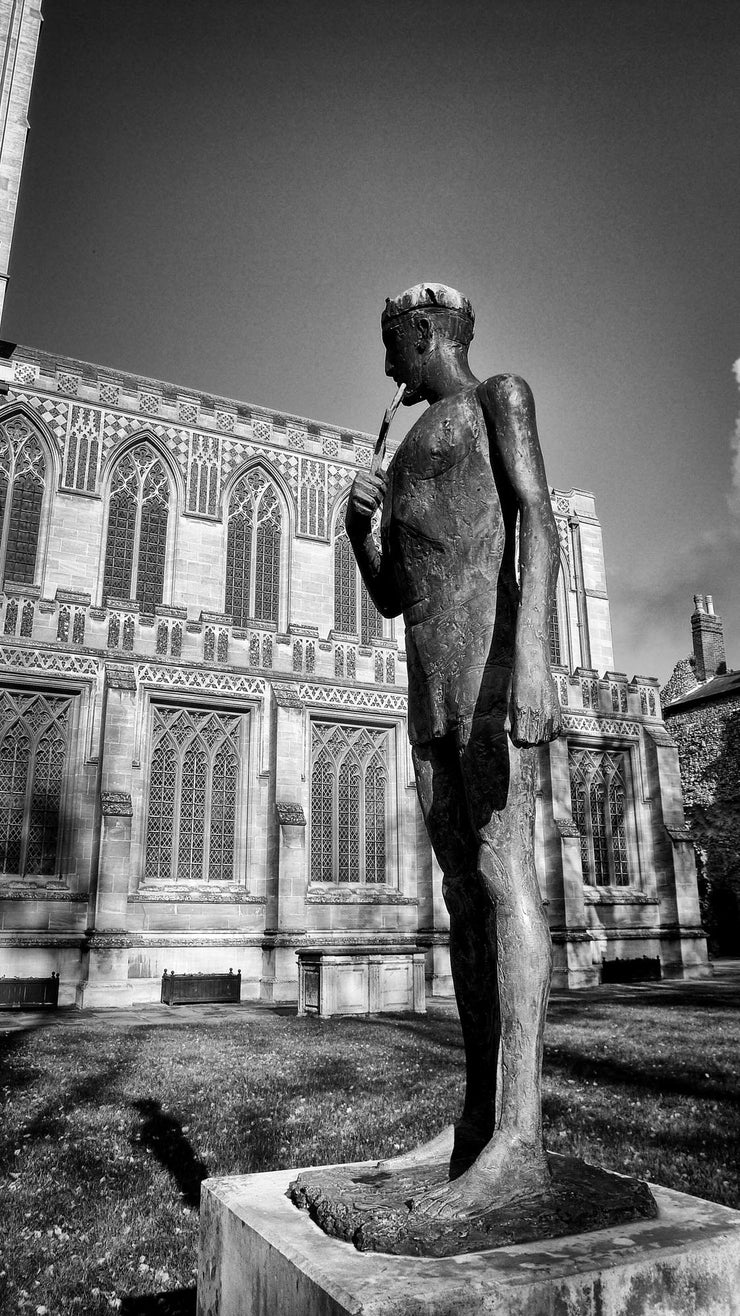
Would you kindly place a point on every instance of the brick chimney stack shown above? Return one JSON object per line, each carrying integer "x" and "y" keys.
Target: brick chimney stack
{"x": 708, "y": 636}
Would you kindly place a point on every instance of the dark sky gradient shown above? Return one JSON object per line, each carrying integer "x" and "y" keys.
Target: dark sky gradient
{"x": 221, "y": 193}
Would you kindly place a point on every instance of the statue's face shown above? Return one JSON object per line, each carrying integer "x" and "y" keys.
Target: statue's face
{"x": 404, "y": 362}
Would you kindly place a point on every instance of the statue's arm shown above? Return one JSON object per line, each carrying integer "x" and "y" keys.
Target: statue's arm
{"x": 366, "y": 496}
{"x": 508, "y": 407}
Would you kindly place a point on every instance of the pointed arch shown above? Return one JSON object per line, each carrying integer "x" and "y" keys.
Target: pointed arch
{"x": 559, "y": 632}
{"x": 350, "y": 780}
{"x": 354, "y": 611}
{"x": 256, "y": 546}
{"x": 27, "y": 469}
{"x": 141, "y": 500}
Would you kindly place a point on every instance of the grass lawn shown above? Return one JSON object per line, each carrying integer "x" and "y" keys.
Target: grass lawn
{"x": 109, "y": 1127}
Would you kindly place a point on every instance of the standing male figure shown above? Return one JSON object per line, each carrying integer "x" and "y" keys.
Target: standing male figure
{"x": 477, "y": 598}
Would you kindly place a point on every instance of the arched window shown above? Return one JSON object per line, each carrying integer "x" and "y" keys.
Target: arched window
{"x": 559, "y": 642}
{"x": 135, "y": 554}
{"x": 22, "y": 482}
{"x": 253, "y": 551}
{"x": 554, "y": 637}
{"x": 33, "y": 749}
{"x": 349, "y": 797}
{"x": 193, "y": 791}
{"x": 599, "y": 803}
{"x": 350, "y": 591}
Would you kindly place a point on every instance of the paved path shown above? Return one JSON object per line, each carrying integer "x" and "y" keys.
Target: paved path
{"x": 721, "y": 989}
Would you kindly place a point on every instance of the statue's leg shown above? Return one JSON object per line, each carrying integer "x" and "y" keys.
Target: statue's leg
{"x": 513, "y": 1162}
{"x": 472, "y": 944}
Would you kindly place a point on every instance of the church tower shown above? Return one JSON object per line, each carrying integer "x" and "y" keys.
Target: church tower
{"x": 20, "y": 24}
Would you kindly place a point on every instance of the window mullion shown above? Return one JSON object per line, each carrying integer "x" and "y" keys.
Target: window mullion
{"x": 207, "y": 818}
{"x": 27, "y": 804}
{"x": 176, "y": 815}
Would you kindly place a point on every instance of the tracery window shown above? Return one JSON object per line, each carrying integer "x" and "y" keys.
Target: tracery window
{"x": 599, "y": 802}
{"x": 22, "y": 483}
{"x": 349, "y": 803}
{"x": 135, "y": 554}
{"x": 193, "y": 792}
{"x": 34, "y": 731}
{"x": 350, "y": 591}
{"x": 253, "y": 550}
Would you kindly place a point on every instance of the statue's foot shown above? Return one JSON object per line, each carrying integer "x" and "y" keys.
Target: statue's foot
{"x": 459, "y": 1144}
{"x": 505, "y": 1171}
{"x": 427, "y": 1153}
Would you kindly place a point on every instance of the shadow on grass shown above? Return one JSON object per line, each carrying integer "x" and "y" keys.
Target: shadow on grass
{"x": 162, "y": 1135}
{"x": 663, "y": 1082}
{"x": 178, "y": 1302}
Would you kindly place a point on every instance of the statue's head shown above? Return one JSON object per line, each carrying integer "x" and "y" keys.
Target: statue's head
{"x": 422, "y": 320}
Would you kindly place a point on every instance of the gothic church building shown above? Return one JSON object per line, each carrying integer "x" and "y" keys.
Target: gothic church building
{"x": 203, "y": 759}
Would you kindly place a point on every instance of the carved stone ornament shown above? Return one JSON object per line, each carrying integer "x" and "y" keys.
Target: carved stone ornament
{"x": 119, "y": 676}
{"x": 290, "y": 815}
{"x": 566, "y": 827}
{"x": 286, "y": 696}
{"x": 116, "y": 804}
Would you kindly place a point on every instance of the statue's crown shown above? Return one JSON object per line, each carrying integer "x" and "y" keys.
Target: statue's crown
{"x": 427, "y": 296}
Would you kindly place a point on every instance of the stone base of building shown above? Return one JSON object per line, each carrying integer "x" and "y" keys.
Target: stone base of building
{"x": 260, "y": 1255}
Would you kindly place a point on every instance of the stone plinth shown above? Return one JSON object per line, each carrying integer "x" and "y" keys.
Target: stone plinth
{"x": 260, "y": 1256}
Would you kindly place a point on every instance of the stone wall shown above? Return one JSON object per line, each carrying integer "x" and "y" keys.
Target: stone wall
{"x": 708, "y": 739}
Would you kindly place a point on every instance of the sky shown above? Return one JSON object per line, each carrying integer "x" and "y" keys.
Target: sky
{"x": 222, "y": 193}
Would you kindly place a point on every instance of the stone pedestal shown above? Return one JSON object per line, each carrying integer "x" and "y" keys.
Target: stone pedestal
{"x": 260, "y": 1255}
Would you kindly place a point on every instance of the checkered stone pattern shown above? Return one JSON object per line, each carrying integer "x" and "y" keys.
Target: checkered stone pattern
{"x": 225, "y": 421}
{"x": 116, "y": 428}
{"x": 234, "y": 452}
{"x": 24, "y": 373}
{"x": 53, "y": 411}
{"x": 67, "y": 383}
{"x": 563, "y": 536}
{"x": 339, "y": 479}
{"x": 149, "y": 403}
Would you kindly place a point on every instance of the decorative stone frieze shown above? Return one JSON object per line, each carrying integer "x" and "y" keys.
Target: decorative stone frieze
{"x": 290, "y": 815}
{"x": 116, "y": 804}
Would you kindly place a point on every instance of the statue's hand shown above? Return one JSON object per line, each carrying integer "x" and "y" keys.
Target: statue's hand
{"x": 366, "y": 495}
{"x": 534, "y": 709}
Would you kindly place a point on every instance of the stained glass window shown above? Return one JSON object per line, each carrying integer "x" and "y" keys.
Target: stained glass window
{"x": 349, "y": 802}
{"x": 33, "y": 747}
{"x": 22, "y": 482}
{"x": 193, "y": 793}
{"x": 599, "y": 802}
{"x": 354, "y": 611}
{"x": 138, "y": 514}
{"x": 253, "y": 551}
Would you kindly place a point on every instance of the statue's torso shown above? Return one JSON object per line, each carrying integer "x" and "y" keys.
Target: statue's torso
{"x": 444, "y": 539}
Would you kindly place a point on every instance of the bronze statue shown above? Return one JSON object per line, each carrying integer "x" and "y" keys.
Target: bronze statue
{"x": 469, "y": 554}
{"x": 477, "y": 608}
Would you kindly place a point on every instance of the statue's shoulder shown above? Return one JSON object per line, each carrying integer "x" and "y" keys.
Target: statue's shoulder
{"x": 506, "y": 393}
